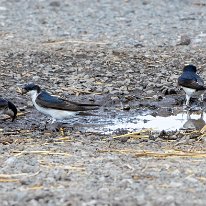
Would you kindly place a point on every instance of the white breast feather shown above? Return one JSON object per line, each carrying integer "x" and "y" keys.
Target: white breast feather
{"x": 54, "y": 113}
{"x": 189, "y": 91}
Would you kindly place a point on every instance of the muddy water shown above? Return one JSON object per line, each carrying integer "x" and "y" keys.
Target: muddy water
{"x": 134, "y": 121}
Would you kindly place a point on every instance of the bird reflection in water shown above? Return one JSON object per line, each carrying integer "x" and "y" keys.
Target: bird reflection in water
{"x": 194, "y": 124}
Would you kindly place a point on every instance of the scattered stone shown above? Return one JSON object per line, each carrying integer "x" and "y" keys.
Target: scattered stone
{"x": 184, "y": 40}
{"x": 55, "y": 4}
{"x": 126, "y": 107}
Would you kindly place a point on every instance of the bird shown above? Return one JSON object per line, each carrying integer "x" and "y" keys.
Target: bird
{"x": 7, "y": 107}
{"x": 54, "y": 106}
{"x": 191, "y": 83}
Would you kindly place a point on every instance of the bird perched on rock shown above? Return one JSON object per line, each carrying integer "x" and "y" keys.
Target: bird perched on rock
{"x": 191, "y": 83}
{"x": 7, "y": 107}
{"x": 56, "y": 107}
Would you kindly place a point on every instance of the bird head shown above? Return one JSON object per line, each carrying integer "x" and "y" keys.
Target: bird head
{"x": 31, "y": 88}
{"x": 11, "y": 110}
{"x": 190, "y": 68}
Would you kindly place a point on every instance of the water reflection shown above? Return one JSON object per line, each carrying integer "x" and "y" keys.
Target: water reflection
{"x": 193, "y": 123}
{"x": 133, "y": 121}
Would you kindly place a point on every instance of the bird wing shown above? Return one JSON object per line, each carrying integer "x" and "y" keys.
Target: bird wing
{"x": 46, "y": 100}
{"x": 191, "y": 80}
{"x": 191, "y": 84}
{"x": 199, "y": 80}
{"x": 3, "y": 103}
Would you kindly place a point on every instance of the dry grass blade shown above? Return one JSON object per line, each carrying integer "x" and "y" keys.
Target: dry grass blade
{"x": 40, "y": 187}
{"x": 40, "y": 153}
{"x": 122, "y": 151}
{"x": 17, "y": 175}
{"x": 62, "y": 131}
{"x": 4, "y": 176}
{"x": 36, "y": 188}
{"x": 75, "y": 42}
{"x": 164, "y": 154}
{"x": 19, "y": 90}
{"x": 170, "y": 154}
{"x": 62, "y": 138}
{"x": 203, "y": 130}
{"x": 139, "y": 134}
{"x": 19, "y": 114}
{"x": 12, "y": 177}
{"x": 9, "y": 180}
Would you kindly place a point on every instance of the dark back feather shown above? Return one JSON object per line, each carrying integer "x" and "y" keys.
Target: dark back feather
{"x": 46, "y": 100}
{"x": 3, "y": 103}
{"x": 191, "y": 80}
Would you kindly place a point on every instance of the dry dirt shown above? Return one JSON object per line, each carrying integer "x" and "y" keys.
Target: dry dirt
{"x": 125, "y": 55}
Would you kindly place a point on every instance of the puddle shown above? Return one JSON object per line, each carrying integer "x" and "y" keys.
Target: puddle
{"x": 170, "y": 123}
{"x": 134, "y": 121}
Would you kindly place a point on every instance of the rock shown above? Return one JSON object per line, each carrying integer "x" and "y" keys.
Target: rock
{"x": 55, "y": 4}
{"x": 149, "y": 92}
{"x": 126, "y": 107}
{"x": 35, "y": 78}
{"x": 11, "y": 161}
{"x": 184, "y": 40}
{"x": 30, "y": 104}
{"x": 191, "y": 179}
{"x": 115, "y": 100}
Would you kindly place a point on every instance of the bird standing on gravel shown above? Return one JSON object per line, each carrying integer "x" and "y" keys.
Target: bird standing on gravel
{"x": 7, "y": 107}
{"x": 191, "y": 83}
{"x": 57, "y": 108}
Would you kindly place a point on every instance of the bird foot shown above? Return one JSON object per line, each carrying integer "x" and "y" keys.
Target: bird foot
{"x": 51, "y": 121}
{"x": 186, "y": 107}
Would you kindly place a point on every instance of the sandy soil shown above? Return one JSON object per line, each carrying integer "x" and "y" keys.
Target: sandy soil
{"x": 126, "y": 55}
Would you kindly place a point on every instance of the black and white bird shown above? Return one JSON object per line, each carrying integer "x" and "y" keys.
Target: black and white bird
{"x": 7, "y": 107}
{"x": 56, "y": 107}
{"x": 191, "y": 83}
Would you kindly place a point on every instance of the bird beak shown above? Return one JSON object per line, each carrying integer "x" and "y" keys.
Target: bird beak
{"x": 23, "y": 91}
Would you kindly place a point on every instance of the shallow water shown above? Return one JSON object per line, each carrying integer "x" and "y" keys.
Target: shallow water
{"x": 170, "y": 123}
{"x": 134, "y": 121}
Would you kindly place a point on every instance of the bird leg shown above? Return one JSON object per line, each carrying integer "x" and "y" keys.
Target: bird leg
{"x": 186, "y": 106}
{"x": 188, "y": 114}
{"x": 202, "y": 114}
{"x": 201, "y": 100}
{"x": 202, "y": 97}
{"x": 187, "y": 100}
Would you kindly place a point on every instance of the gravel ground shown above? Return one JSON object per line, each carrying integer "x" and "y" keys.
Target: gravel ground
{"x": 126, "y": 55}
